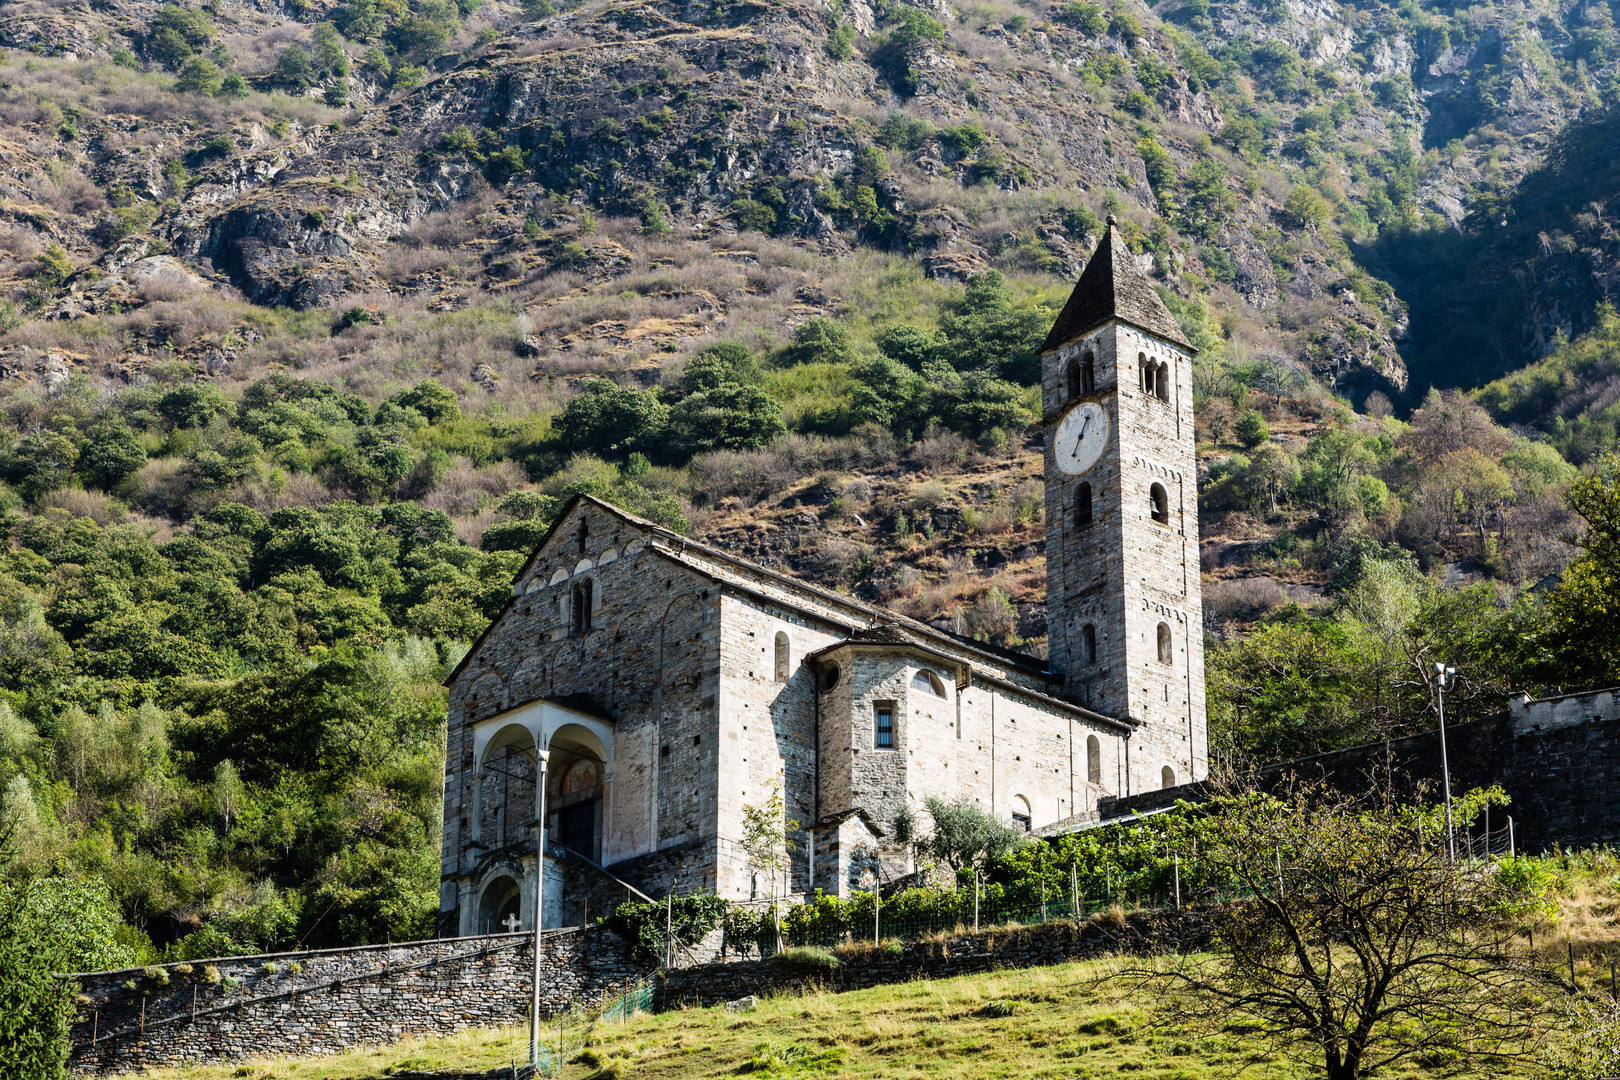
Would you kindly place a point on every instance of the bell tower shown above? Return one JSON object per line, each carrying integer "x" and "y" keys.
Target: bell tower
{"x": 1124, "y": 609}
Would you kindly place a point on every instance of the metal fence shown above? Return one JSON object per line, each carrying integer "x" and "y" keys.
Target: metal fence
{"x": 566, "y": 1033}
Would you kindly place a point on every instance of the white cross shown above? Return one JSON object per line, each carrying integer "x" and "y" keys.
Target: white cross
{"x": 511, "y": 923}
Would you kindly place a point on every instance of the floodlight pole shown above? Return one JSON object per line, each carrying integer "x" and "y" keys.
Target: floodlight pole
{"x": 539, "y": 906}
{"x": 1443, "y": 672}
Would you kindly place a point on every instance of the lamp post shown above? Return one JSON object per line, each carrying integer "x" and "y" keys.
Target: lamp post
{"x": 539, "y": 905}
{"x": 1442, "y": 673}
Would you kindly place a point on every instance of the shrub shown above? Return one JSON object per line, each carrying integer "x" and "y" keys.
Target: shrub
{"x": 1250, "y": 429}
{"x": 998, "y": 1009}
{"x": 807, "y": 961}
{"x": 294, "y": 69}
{"x": 820, "y": 341}
{"x": 233, "y": 86}
{"x": 199, "y": 75}
{"x": 1086, "y": 18}
{"x": 841, "y": 42}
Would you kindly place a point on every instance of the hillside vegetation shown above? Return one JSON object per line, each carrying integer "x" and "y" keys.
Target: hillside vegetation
{"x": 311, "y": 319}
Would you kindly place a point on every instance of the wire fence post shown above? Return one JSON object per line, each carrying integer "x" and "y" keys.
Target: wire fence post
{"x": 1176, "y": 866}
{"x": 975, "y": 899}
{"x": 1510, "y": 836}
{"x": 877, "y": 909}
{"x": 1281, "y": 891}
{"x": 1074, "y": 891}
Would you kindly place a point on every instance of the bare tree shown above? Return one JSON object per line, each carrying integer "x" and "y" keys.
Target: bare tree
{"x": 766, "y": 839}
{"x": 1362, "y": 946}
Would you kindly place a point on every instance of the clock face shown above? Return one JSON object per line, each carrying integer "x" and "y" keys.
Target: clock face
{"x": 1081, "y": 435}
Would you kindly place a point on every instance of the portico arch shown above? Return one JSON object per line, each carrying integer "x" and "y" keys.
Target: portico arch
{"x": 500, "y": 901}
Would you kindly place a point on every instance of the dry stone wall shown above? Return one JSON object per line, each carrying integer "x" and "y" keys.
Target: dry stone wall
{"x": 1026, "y": 946}
{"x": 322, "y": 1002}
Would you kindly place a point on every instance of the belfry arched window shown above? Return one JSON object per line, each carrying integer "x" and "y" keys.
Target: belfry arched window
{"x": 1075, "y": 381}
{"x": 782, "y": 650}
{"x": 1161, "y": 504}
{"x": 1161, "y": 382}
{"x": 1166, "y": 644}
{"x": 1088, "y": 643}
{"x": 1082, "y": 504}
{"x": 1145, "y": 372}
{"x": 1088, "y": 374}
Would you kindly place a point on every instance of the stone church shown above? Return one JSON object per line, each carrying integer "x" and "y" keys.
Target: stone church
{"x": 672, "y": 684}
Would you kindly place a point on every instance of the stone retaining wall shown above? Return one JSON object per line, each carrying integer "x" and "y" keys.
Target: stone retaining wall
{"x": 1018, "y": 947}
{"x": 325, "y": 1001}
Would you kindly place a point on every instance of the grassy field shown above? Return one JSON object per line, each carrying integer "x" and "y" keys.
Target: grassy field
{"x": 1063, "y": 1021}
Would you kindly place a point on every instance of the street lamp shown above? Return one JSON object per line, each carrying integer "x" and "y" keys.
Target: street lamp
{"x": 539, "y": 907}
{"x": 1442, "y": 673}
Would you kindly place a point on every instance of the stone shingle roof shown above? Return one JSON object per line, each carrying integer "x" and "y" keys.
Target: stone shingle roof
{"x": 1111, "y": 287}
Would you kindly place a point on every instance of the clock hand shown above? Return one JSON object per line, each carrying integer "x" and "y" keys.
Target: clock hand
{"x": 1084, "y": 423}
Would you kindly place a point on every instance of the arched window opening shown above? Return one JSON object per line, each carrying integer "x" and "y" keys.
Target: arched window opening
{"x": 1088, "y": 643}
{"x": 1088, "y": 374}
{"x": 1165, "y": 644}
{"x": 1161, "y": 382}
{"x": 1167, "y": 777}
{"x": 1161, "y": 504}
{"x": 1021, "y": 817}
{"x": 1076, "y": 382}
{"x": 581, "y": 606}
{"x": 781, "y": 657}
{"x": 1082, "y": 504}
{"x": 928, "y": 683}
{"x": 1093, "y": 760}
{"x": 1144, "y": 373}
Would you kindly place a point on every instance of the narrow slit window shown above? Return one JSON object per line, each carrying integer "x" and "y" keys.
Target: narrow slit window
{"x": 1167, "y": 777}
{"x": 1082, "y": 504}
{"x": 1088, "y": 643}
{"x": 1161, "y": 504}
{"x": 1093, "y": 760}
{"x": 782, "y": 652}
{"x": 1166, "y": 646}
{"x": 581, "y": 606}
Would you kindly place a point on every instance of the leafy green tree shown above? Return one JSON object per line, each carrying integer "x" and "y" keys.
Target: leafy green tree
{"x": 294, "y": 69}
{"x": 1086, "y": 18}
{"x": 720, "y": 363}
{"x": 820, "y": 341}
{"x": 1585, "y": 607}
{"x": 177, "y": 32}
{"x": 887, "y": 393}
{"x": 1250, "y": 430}
{"x": 610, "y": 420}
{"x": 728, "y": 417}
{"x": 962, "y": 836}
{"x": 198, "y": 75}
{"x": 36, "y": 1008}
{"x": 911, "y": 345}
{"x": 1305, "y": 209}
{"x": 989, "y": 330}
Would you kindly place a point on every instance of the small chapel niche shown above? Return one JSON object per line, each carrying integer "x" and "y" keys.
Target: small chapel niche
{"x": 1165, "y": 644}
{"x": 1161, "y": 504}
{"x": 1082, "y": 504}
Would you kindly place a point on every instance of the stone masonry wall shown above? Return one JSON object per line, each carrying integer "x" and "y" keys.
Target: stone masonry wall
{"x": 1027, "y": 946}
{"x": 325, "y": 1001}
{"x": 1564, "y": 780}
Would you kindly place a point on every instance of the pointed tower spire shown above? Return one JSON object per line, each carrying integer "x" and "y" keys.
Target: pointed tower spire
{"x": 1111, "y": 287}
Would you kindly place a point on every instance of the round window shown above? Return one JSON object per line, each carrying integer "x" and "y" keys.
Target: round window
{"x": 829, "y": 677}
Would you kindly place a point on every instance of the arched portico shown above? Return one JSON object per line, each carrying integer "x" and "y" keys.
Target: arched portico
{"x": 579, "y": 805}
